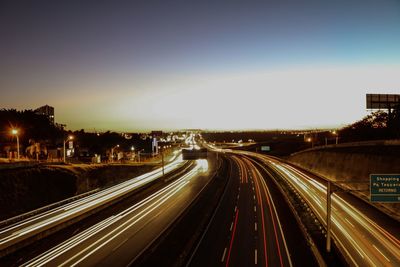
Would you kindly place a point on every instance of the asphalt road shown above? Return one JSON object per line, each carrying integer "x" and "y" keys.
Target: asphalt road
{"x": 246, "y": 229}
{"x": 362, "y": 239}
{"x": 121, "y": 238}
{"x": 42, "y": 222}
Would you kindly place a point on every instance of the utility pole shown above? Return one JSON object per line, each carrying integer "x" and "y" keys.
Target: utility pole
{"x": 162, "y": 159}
{"x": 328, "y": 216}
{"x": 65, "y": 141}
{"x": 329, "y": 190}
{"x": 15, "y": 132}
{"x": 17, "y": 147}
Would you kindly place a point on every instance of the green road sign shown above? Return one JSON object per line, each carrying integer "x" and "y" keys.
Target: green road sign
{"x": 385, "y": 187}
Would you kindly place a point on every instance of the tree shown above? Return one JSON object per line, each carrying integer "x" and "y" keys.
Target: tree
{"x": 372, "y": 127}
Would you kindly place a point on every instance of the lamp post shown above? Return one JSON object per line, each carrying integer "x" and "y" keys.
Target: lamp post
{"x": 337, "y": 136}
{"x": 139, "y": 154}
{"x": 65, "y": 141}
{"x": 310, "y": 140}
{"x": 15, "y": 132}
{"x": 112, "y": 153}
{"x": 133, "y": 153}
{"x": 162, "y": 159}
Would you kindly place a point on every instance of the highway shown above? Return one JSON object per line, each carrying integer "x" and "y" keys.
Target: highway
{"x": 251, "y": 226}
{"x": 247, "y": 228}
{"x": 362, "y": 241}
{"x": 42, "y": 222}
{"x": 121, "y": 238}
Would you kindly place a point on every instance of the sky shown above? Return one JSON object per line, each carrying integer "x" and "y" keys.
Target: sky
{"x": 217, "y": 65}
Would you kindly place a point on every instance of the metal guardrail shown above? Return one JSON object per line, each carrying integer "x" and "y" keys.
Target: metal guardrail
{"x": 45, "y": 208}
{"x": 394, "y": 142}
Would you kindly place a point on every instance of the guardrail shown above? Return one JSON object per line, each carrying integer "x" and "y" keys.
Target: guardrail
{"x": 394, "y": 142}
{"x": 28, "y": 214}
{"x": 103, "y": 198}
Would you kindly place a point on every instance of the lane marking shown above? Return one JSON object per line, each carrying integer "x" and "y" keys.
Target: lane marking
{"x": 117, "y": 247}
{"x": 72, "y": 242}
{"x": 255, "y": 256}
{"x": 381, "y": 252}
{"x": 230, "y": 229}
{"x": 262, "y": 219}
{"x": 349, "y": 222}
{"x": 273, "y": 218}
{"x": 255, "y": 226}
{"x": 233, "y": 238}
{"x": 235, "y": 208}
{"x": 223, "y": 255}
{"x": 255, "y": 208}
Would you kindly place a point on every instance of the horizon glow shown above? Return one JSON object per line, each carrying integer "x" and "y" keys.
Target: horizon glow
{"x": 217, "y": 66}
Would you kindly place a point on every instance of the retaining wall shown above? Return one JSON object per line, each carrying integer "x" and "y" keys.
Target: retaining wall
{"x": 355, "y": 163}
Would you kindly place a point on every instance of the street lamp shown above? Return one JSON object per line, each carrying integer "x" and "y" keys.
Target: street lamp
{"x": 335, "y": 133}
{"x": 133, "y": 152}
{"x": 162, "y": 159}
{"x": 65, "y": 141}
{"x": 310, "y": 140}
{"x": 139, "y": 154}
{"x": 112, "y": 153}
{"x": 15, "y": 132}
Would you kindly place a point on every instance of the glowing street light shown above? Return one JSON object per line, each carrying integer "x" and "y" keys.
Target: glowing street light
{"x": 68, "y": 139}
{"x": 335, "y": 133}
{"x": 310, "y": 140}
{"x": 133, "y": 153}
{"x": 15, "y": 132}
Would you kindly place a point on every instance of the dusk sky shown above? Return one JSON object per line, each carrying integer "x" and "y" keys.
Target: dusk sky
{"x": 142, "y": 65}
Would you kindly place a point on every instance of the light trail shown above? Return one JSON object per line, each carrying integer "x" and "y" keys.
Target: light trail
{"x": 361, "y": 239}
{"x": 15, "y": 233}
{"x": 232, "y": 237}
{"x": 89, "y": 242}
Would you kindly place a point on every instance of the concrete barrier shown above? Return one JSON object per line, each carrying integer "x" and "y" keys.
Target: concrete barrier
{"x": 354, "y": 162}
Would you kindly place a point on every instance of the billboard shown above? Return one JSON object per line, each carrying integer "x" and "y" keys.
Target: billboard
{"x": 382, "y": 101}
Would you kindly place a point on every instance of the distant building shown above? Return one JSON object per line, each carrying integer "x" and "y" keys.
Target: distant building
{"x": 47, "y": 111}
{"x": 156, "y": 134}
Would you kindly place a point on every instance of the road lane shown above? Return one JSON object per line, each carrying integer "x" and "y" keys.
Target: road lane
{"x": 246, "y": 230}
{"x": 362, "y": 241}
{"x": 34, "y": 225}
{"x": 121, "y": 238}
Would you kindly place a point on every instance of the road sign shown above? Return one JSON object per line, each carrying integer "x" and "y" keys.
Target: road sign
{"x": 385, "y": 187}
{"x": 265, "y": 148}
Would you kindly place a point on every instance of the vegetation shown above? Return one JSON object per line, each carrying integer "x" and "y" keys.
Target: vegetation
{"x": 34, "y": 128}
{"x": 377, "y": 125}
{"x": 30, "y": 126}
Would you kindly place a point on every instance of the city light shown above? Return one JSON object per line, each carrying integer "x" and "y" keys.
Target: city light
{"x": 15, "y": 132}
{"x": 70, "y": 137}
